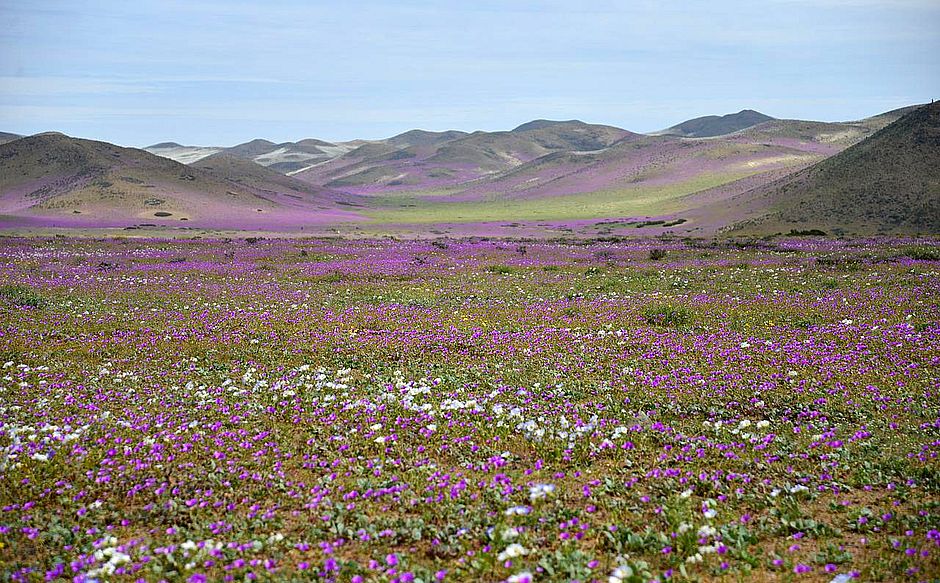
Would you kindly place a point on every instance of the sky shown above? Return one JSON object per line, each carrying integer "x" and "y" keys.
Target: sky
{"x": 221, "y": 72}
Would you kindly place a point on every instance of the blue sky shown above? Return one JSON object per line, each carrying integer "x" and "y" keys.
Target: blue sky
{"x": 220, "y": 72}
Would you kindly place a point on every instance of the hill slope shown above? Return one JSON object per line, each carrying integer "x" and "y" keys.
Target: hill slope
{"x": 285, "y": 158}
{"x": 8, "y": 137}
{"x": 716, "y": 125}
{"x": 889, "y": 182}
{"x": 450, "y": 160}
{"x": 52, "y": 179}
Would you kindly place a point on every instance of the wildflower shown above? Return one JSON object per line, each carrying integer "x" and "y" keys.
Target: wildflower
{"x": 540, "y": 491}
{"x": 523, "y": 577}
{"x": 517, "y": 511}
{"x": 512, "y": 551}
{"x": 801, "y": 568}
{"x": 620, "y": 573}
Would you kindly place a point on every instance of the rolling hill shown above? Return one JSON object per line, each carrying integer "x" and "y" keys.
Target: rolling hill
{"x": 53, "y": 179}
{"x": 889, "y": 182}
{"x": 286, "y": 157}
{"x": 716, "y": 125}
{"x": 8, "y": 137}
{"x": 544, "y": 176}
{"x": 455, "y": 159}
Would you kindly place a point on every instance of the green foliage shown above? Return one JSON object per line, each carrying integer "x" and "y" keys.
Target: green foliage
{"x": 501, "y": 269}
{"x": 668, "y": 315}
{"x": 657, "y": 254}
{"x": 922, "y": 253}
{"x": 21, "y": 296}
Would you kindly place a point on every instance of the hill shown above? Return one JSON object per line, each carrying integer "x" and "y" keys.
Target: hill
{"x": 889, "y": 182}
{"x": 180, "y": 153}
{"x": 286, "y": 157}
{"x": 424, "y": 138}
{"x": 448, "y": 161}
{"x": 8, "y": 137}
{"x": 53, "y": 179}
{"x": 716, "y": 125}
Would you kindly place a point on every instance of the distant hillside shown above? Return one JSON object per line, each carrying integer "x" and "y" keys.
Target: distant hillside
{"x": 53, "y": 179}
{"x": 8, "y": 137}
{"x": 437, "y": 161}
{"x": 285, "y": 158}
{"x": 889, "y": 182}
{"x": 424, "y": 138}
{"x": 716, "y": 125}
{"x": 767, "y": 178}
{"x": 180, "y": 153}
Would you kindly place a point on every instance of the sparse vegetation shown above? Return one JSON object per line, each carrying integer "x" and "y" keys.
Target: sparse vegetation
{"x": 21, "y": 296}
{"x": 667, "y": 315}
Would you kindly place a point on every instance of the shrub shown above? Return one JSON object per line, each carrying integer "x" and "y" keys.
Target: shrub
{"x": 667, "y": 315}
{"x": 657, "y": 254}
{"x": 21, "y": 296}
{"x": 922, "y": 253}
{"x": 806, "y": 233}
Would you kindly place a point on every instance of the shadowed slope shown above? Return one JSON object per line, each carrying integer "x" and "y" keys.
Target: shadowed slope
{"x": 889, "y": 182}
{"x": 716, "y": 125}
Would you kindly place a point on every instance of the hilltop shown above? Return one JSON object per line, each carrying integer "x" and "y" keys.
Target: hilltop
{"x": 56, "y": 180}
{"x": 889, "y": 182}
{"x": 716, "y": 125}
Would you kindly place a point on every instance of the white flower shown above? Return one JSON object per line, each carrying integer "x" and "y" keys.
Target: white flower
{"x": 686, "y": 493}
{"x": 512, "y": 551}
{"x": 763, "y": 423}
{"x": 841, "y": 578}
{"x": 380, "y": 439}
{"x": 517, "y": 510}
{"x": 523, "y": 577}
{"x": 620, "y": 573}
{"x": 710, "y": 513}
{"x": 375, "y": 426}
{"x": 706, "y": 531}
{"x": 539, "y": 491}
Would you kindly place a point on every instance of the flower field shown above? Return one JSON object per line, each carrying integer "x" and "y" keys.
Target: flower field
{"x": 378, "y": 410}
